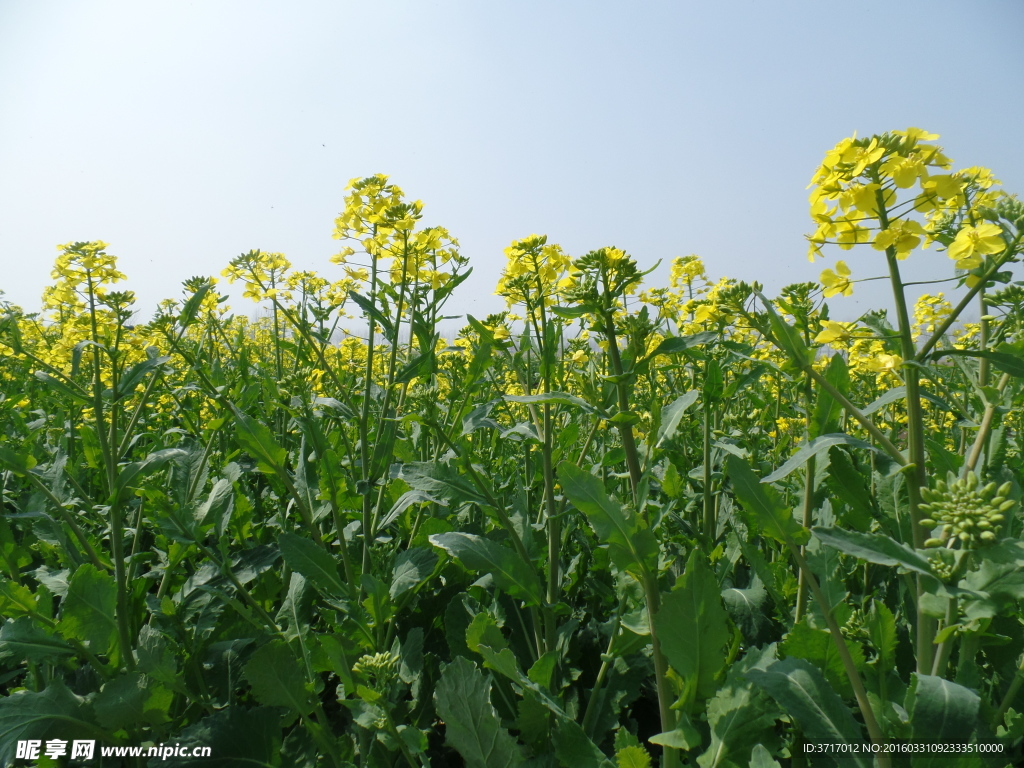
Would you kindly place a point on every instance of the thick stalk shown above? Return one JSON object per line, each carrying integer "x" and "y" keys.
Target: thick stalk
{"x": 709, "y": 502}
{"x": 874, "y": 731}
{"x": 622, "y": 391}
{"x": 667, "y": 714}
{"x": 808, "y": 509}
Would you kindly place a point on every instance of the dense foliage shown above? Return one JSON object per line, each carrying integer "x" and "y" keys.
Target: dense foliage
{"x": 615, "y": 525}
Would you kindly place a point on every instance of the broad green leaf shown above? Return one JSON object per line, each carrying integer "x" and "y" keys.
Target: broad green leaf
{"x": 815, "y": 447}
{"x": 762, "y": 758}
{"x": 191, "y": 306}
{"x": 258, "y": 441}
{"x": 480, "y": 418}
{"x": 817, "y": 647}
{"x": 54, "y": 713}
{"x": 237, "y": 738}
{"x": 827, "y": 410}
{"x": 672, "y": 415}
{"x": 131, "y": 701}
{"x": 551, "y": 397}
{"x": 740, "y": 715}
{"x": 87, "y": 611}
{"x": 511, "y": 573}
{"x": 631, "y": 547}
{"x": 881, "y": 626}
{"x": 713, "y": 385}
{"x": 405, "y": 501}
{"x": 1006, "y": 358}
{"x": 848, "y": 485}
{"x": 575, "y": 749}
{"x": 472, "y": 726}
{"x": 675, "y": 344}
{"x": 311, "y": 560}
{"x": 276, "y": 678}
{"x": 802, "y": 691}
{"x": 684, "y": 736}
{"x": 127, "y": 383}
{"x": 632, "y": 757}
{"x": 875, "y": 548}
{"x": 693, "y": 627}
{"x": 894, "y": 394}
{"x": 218, "y": 506}
{"x": 762, "y": 503}
{"x": 24, "y": 640}
{"x": 19, "y": 462}
{"x": 941, "y": 711}
{"x": 374, "y": 314}
{"x": 411, "y": 567}
{"x": 440, "y": 481}
{"x": 749, "y": 609}
{"x": 787, "y": 337}
{"x": 135, "y": 471}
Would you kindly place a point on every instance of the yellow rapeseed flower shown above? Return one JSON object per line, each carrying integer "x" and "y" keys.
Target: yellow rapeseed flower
{"x": 837, "y": 282}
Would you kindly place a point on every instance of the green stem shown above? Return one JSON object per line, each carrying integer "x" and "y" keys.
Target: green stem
{"x": 874, "y": 731}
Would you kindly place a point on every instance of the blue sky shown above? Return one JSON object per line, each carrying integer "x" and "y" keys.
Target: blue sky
{"x": 186, "y": 133}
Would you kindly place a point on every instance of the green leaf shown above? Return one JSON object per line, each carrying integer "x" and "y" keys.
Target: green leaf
{"x": 787, "y": 337}
{"x": 236, "y": 737}
{"x": 827, "y": 410}
{"x": 941, "y": 711}
{"x": 127, "y": 383}
{"x": 672, "y": 415}
{"x": 258, "y": 441}
{"x": 632, "y": 757}
{"x": 192, "y": 304}
{"x": 693, "y": 627}
{"x": 762, "y": 503}
{"x": 130, "y": 701}
{"x": 24, "y": 640}
{"x": 87, "y": 611}
{"x": 740, "y": 715}
{"x": 575, "y": 749}
{"x": 218, "y": 506}
{"x": 814, "y": 447}
{"x": 511, "y": 573}
{"x": 675, "y": 344}
{"x": 806, "y": 696}
{"x": 748, "y": 609}
{"x": 135, "y": 471}
{"x": 631, "y": 547}
{"x": 311, "y": 560}
{"x": 1006, "y": 359}
{"x": 551, "y": 397}
{"x": 847, "y": 485}
{"x": 894, "y": 394}
{"x": 817, "y": 647}
{"x": 762, "y": 758}
{"x": 55, "y": 713}
{"x": 472, "y": 726}
{"x": 875, "y": 548}
{"x": 18, "y": 462}
{"x": 374, "y": 314}
{"x": 276, "y": 678}
{"x": 441, "y": 482}
{"x": 73, "y": 392}
{"x": 714, "y": 384}
{"x": 411, "y": 567}
{"x": 881, "y": 626}
{"x": 684, "y": 736}
{"x": 480, "y": 418}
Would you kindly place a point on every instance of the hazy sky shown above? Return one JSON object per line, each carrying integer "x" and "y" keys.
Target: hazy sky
{"x": 186, "y": 133}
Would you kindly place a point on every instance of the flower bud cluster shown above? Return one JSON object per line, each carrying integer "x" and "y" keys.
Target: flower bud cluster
{"x": 966, "y": 511}
{"x": 381, "y": 668}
